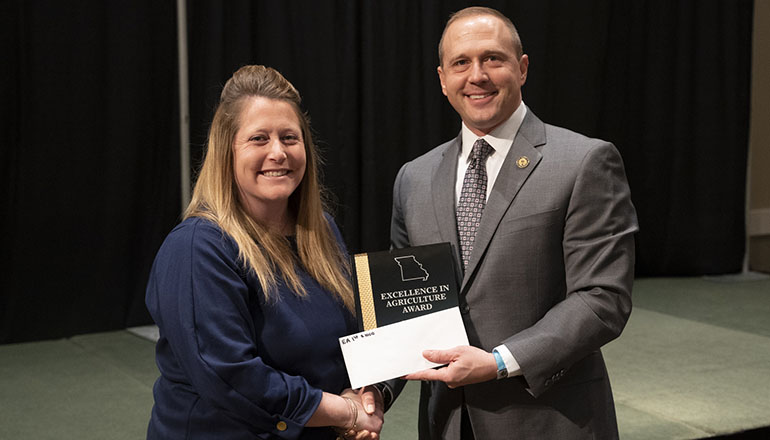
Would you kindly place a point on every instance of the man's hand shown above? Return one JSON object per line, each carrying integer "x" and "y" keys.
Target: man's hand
{"x": 371, "y": 399}
{"x": 466, "y": 365}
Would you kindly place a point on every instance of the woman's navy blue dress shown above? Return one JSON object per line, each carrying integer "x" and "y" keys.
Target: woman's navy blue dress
{"x": 231, "y": 365}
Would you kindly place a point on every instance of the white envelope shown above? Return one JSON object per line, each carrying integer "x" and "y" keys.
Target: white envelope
{"x": 395, "y": 350}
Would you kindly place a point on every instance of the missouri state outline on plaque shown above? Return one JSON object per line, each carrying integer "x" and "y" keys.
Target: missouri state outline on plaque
{"x": 411, "y": 269}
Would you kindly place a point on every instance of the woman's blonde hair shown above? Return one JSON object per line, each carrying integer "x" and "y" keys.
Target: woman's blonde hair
{"x": 215, "y": 197}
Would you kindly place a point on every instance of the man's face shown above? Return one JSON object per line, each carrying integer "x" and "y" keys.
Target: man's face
{"x": 479, "y": 72}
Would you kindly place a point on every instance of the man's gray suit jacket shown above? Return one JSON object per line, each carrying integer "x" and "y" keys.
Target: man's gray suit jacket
{"x": 550, "y": 277}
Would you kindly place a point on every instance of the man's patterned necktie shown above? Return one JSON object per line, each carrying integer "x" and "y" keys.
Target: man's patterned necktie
{"x": 473, "y": 197}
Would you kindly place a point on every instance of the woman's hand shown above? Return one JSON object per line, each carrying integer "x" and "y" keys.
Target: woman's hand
{"x": 369, "y": 413}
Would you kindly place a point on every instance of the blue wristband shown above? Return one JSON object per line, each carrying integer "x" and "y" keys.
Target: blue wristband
{"x": 499, "y": 360}
{"x": 502, "y": 370}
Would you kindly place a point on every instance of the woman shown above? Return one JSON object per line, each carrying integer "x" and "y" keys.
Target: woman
{"x": 251, "y": 291}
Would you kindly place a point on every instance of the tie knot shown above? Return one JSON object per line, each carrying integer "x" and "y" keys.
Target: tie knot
{"x": 481, "y": 150}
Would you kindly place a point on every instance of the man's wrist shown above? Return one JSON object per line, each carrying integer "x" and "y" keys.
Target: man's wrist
{"x": 502, "y": 370}
{"x": 510, "y": 362}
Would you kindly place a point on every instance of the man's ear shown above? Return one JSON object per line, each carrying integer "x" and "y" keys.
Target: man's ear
{"x": 524, "y": 67}
{"x": 441, "y": 79}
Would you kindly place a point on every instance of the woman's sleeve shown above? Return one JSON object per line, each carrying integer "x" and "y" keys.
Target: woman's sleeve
{"x": 201, "y": 305}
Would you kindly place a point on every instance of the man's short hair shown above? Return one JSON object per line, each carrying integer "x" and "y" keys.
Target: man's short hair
{"x": 476, "y": 11}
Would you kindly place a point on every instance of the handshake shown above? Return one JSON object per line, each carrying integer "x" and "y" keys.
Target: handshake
{"x": 364, "y": 415}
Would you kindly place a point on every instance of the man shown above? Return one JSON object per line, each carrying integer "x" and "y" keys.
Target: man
{"x": 543, "y": 225}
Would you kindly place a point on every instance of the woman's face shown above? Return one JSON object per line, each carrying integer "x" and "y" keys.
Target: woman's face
{"x": 268, "y": 156}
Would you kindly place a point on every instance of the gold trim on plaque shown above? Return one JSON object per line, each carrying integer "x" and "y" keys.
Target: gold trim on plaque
{"x": 365, "y": 294}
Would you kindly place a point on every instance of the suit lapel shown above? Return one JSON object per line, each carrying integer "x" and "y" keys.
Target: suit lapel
{"x": 444, "y": 195}
{"x": 508, "y": 183}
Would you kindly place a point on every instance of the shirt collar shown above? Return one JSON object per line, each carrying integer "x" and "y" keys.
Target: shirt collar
{"x": 501, "y": 138}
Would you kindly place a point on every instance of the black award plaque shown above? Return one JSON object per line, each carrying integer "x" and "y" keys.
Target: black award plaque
{"x": 400, "y": 284}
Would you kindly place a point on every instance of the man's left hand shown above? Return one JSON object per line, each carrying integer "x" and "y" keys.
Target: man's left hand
{"x": 466, "y": 365}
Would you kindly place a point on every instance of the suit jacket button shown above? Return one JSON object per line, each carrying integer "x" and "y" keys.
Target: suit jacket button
{"x": 466, "y": 308}
{"x": 281, "y": 426}
{"x": 548, "y": 382}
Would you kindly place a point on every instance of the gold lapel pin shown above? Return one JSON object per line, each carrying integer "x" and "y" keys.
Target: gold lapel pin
{"x": 523, "y": 162}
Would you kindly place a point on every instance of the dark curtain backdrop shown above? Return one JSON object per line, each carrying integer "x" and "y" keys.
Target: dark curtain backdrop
{"x": 90, "y": 111}
{"x": 90, "y": 160}
{"x": 667, "y": 82}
